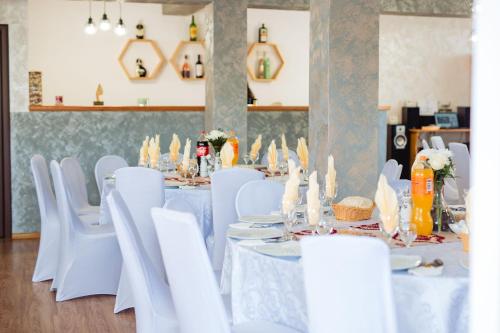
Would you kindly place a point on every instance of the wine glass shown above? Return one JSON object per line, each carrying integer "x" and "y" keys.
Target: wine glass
{"x": 283, "y": 167}
{"x": 246, "y": 158}
{"x": 254, "y": 158}
{"x": 193, "y": 169}
{"x": 324, "y": 226}
{"x": 289, "y": 219}
{"x": 388, "y": 226}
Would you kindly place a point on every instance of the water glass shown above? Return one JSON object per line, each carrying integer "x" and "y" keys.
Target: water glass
{"x": 289, "y": 220}
{"x": 254, "y": 159}
{"x": 193, "y": 169}
{"x": 246, "y": 158}
{"x": 283, "y": 167}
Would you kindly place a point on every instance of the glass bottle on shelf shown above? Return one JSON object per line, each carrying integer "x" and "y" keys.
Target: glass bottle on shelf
{"x": 263, "y": 34}
{"x": 234, "y": 141}
{"x": 267, "y": 67}
{"x": 199, "y": 68}
{"x": 260, "y": 67}
{"x": 193, "y": 30}
{"x": 186, "y": 71}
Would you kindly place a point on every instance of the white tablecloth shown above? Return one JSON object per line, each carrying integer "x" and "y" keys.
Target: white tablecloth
{"x": 200, "y": 200}
{"x": 269, "y": 288}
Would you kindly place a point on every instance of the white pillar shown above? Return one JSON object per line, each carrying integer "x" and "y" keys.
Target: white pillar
{"x": 485, "y": 237}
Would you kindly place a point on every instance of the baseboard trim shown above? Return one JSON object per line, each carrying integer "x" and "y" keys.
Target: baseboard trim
{"x": 26, "y": 235}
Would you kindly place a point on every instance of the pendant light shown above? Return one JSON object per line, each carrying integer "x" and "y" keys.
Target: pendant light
{"x": 90, "y": 28}
{"x": 104, "y": 25}
{"x": 120, "y": 29}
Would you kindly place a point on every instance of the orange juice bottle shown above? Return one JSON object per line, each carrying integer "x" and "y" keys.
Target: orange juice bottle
{"x": 422, "y": 193}
{"x": 233, "y": 140}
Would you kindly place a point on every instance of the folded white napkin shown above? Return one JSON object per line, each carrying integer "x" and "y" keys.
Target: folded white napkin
{"x": 185, "y": 158}
{"x": 313, "y": 202}
{"x": 254, "y": 150}
{"x": 175, "y": 145}
{"x": 330, "y": 179}
{"x": 284, "y": 148}
{"x": 143, "y": 153}
{"x": 291, "y": 194}
{"x": 154, "y": 151}
{"x": 303, "y": 153}
{"x": 387, "y": 203}
{"x": 227, "y": 155}
{"x": 272, "y": 157}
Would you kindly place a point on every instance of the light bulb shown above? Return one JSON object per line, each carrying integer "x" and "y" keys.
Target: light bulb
{"x": 120, "y": 29}
{"x": 90, "y": 28}
{"x": 104, "y": 25}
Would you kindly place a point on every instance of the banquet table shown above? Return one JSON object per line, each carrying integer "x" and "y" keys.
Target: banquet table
{"x": 271, "y": 288}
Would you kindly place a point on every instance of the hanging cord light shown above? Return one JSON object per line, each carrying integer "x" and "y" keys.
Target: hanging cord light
{"x": 90, "y": 28}
{"x": 120, "y": 28}
{"x": 104, "y": 25}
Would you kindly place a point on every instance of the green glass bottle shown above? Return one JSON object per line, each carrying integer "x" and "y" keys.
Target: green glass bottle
{"x": 193, "y": 30}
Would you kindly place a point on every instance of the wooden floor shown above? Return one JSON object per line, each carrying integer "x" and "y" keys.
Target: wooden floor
{"x": 30, "y": 307}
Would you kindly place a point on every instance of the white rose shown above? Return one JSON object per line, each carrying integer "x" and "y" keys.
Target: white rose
{"x": 438, "y": 161}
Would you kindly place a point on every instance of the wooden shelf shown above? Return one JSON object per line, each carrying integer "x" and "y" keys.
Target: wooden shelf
{"x": 156, "y": 70}
{"x": 104, "y": 108}
{"x": 174, "y": 60}
{"x": 278, "y": 54}
{"x": 277, "y": 108}
{"x": 441, "y": 130}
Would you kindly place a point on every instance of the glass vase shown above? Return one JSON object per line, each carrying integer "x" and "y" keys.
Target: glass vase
{"x": 441, "y": 214}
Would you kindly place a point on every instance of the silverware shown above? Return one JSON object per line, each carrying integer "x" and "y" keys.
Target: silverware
{"x": 260, "y": 225}
{"x": 436, "y": 263}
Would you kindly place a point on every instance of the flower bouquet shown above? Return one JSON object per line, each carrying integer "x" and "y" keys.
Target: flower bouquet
{"x": 442, "y": 164}
{"x": 217, "y": 138}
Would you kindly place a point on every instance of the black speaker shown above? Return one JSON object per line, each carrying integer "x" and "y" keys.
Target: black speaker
{"x": 463, "y": 116}
{"x": 411, "y": 117}
{"x": 398, "y": 147}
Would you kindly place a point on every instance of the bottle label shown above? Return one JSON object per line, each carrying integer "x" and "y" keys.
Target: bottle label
{"x": 193, "y": 32}
{"x": 201, "y": 151}
{"x": 421, "y": 185}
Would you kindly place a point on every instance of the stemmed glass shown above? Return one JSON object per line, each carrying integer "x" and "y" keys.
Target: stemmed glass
{"x": 193, "y": 169}
{"x": 289, "y": 220}
{"x": 283, "y": 167}
{"x": 246, "y": 158}
{"x": 254, "y": 158}
{"x": 388, "y": 227}
{"x": 324, "y": 226}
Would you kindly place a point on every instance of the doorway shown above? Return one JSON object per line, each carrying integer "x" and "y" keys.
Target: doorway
{"x": 5, "y": 185}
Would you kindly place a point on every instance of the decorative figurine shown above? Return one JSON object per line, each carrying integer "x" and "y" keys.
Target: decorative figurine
{"x": 139, "y": 31}
{"x": 140, "y": 69}
{"x": 98, "y": 95}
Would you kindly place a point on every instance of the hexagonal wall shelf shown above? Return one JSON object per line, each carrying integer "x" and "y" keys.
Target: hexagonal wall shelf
{"x": 269, "y": 47}
{"x": 176, "y": 61}
{"x": 156, "y": 70}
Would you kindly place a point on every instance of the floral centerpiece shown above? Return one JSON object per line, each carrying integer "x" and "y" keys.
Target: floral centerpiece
{"x": 442, "y": 164}
{"x": 217, "y": 138}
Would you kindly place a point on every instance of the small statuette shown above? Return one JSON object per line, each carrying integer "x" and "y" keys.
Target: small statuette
{"x": 140, "y": 69}
{"x": 98, "y": 95}
{"x": 139, "y": 31}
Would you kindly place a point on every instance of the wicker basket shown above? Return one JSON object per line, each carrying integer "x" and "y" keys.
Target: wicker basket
{"x": 347, "y": 213}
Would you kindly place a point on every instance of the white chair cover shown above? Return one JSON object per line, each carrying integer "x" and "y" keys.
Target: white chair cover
{"x": 390, "y": 170}
{"x": 291, "y": 155}
{"x": 461, "y": 159}
{"x": 259, "y": 197}
{"x": 399, "y": 172}
{"x": 195, "y": 293}
{"x": 154, "y": 310}
{"x": 141, "y": 189}
{"x": 437, "y": 142}
{"x": 48, "y": 250}
{"x": 340, "y": 287}
{"x": 225, "y": 185}
{"x": 425, "y": 144}
{"x": 89, "y": 257}
{"x": 77, "y": 187}
{"x": 105, "y": 166}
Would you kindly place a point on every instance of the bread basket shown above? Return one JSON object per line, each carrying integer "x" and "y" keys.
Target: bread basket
{"x": 348, "y": 213}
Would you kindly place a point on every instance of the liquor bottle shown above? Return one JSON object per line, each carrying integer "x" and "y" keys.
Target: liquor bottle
{"x": 260, "y": 68}
{"x": 263, "y": 34}
{"x": 250, "y": 96}
{"x": 199, "y": 69}
{"x": 233, "y": 140}
{"x": 267, "y": 67}
{"x": 193, "y": 30}
{"x": 201, "y": 148}
{"x": 186, "y": 72}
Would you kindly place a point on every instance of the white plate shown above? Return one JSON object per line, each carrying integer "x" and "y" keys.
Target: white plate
{"x": 282, "y": 249}
{"x": 401, "y": 262}
{"x": 264, "y": 219}
{"x": 256, "y": 233}
{"x": 426, "y": 271}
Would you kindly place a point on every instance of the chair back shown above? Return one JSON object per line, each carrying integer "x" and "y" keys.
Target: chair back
{"x": 225, "y": 185}
{"x": 259, "y": 197}
{"x": 105, "y": 166}
{"x": 339, "y": 286}
{"x": 437, "y": 142}
{"x": 46, "y": 199}
{"x": 461, "y": 159}
{"x": 390, "y": 169}
{"x": 149, "y": 289}
{"x": 425, "y": 144}
{"x": 195, "y": 293}
{"x": 76, "y": 184}
{"x": 179, "y": 204}
{"x": 141, "y": 190}
{"x": 291, "y": 155}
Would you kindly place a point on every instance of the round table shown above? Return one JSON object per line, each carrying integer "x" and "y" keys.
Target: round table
{"x": 270, "y": 288}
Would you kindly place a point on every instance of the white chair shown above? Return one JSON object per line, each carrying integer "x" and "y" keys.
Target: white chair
{"x": 141, "y": 189}
{"x": 390, "y": 170}
{"x": 461, "y": 159}
{"x": 339, "y": 286}
{"x": 259, "y": 197}
{"x": 105, "y": 166}
{"x": 437, "y": 142}
{"x": 154, "y": 310}
{"x": 198, "y": 303}
{"x": 425, "y": 144}
{"x": 399, "y": 172}
{"x": 77, "y": 187}
{"x": 225, "y": 185}
{"x": 89, "y": 257}
{"x": 291, "y": 155}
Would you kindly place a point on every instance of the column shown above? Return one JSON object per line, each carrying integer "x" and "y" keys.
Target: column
{"x": 226, "y": 86}
{"x": 343, "y": 118}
